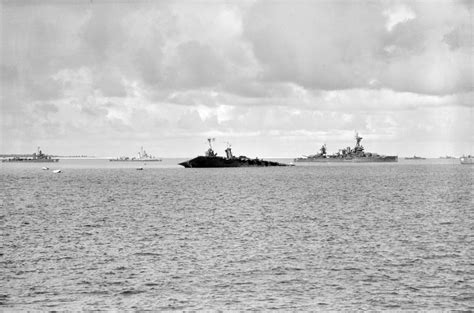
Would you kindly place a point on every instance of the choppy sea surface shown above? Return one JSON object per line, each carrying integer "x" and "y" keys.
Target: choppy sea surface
{"x": 102, "y": 235}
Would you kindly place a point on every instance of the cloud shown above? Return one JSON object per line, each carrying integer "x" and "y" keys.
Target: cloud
{"x": 397, "y": 15}
{"x": 336, "y": 45}
{"x": 459, "y": 37}
{"x": 119, "y": 72}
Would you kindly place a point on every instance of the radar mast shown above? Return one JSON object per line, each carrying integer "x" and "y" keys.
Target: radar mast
{"x": 358, "y": 139}
{"x": 210, "y": 151}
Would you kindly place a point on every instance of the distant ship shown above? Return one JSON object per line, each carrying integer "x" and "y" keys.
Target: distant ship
{"x": 357, "y": 154}
{"x": 35, "y": 157}
{"x": 467, "y": 159}
{"x": 415, "y": 158}
{"x": 210, "y": 159}
{"x": 447, "y": 157}
{"x": 142, "y": 157}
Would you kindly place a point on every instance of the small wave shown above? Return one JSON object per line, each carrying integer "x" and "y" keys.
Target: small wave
{"x": 96, "y": 292}
{"x": 3, "y": 299}
{"x": 147, "y": 254}
{"x": 352, "y": 269}
{"x": 464, "y": 297}
{"x": 131, "y": 292}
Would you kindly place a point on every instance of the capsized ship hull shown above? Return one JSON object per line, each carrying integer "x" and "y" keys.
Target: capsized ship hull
{"x": 211, "y": 160}
{"x": 215, "y": 161}
{"x": 349, "y": 160}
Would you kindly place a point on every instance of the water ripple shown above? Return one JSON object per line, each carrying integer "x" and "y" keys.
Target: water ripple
{"x": 359, "y": 237}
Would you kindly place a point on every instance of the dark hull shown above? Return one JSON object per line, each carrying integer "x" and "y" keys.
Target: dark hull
{"x": 31, "y": 160}
{"x": 203, "y": 162}
{"x": 349, "y": 159}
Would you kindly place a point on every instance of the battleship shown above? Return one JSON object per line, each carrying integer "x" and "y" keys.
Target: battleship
{"x": 143, "y": 156}
{"x": 467, "y": 159}
{"x": 356, "y": 154}
{"x": 415, "y": 158}
{"x": 37, "y": 157}
{"x": 211, "y": 159}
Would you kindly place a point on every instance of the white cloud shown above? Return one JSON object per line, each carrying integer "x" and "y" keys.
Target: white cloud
{"x": 397, "y": 15}
{"x": 101, "y": 74}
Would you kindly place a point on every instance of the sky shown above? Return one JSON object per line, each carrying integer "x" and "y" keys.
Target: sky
{"x": 270, "y": 78}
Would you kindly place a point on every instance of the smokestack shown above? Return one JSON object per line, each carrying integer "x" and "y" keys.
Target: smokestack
{"x": 228, "y": 152}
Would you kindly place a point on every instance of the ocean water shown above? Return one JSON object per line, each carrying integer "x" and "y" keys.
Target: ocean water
{"x": 323, "y": 237}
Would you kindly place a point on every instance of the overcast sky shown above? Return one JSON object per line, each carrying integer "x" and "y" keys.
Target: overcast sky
{"x": 273, "y": 78}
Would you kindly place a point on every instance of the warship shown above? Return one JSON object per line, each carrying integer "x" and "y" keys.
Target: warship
{"x": 142, "y": 157}
{"x": 467, "y": 159}
{"x": 37, "y": 157}
{"x": 415, "y": 158}
{"x": 211, "y": 159}
{"x": 356, "y": 154}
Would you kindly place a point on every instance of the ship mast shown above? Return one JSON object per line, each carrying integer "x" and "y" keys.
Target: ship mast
{"x": 210, "y": 140}
{"x": 210, "y": 151}
{"x": 358, "y": 149}
{"x": 358, "y": 139}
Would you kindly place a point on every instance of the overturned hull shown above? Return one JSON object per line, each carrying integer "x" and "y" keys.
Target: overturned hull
{"x": 389, "y": 158}
{"x": 215, "y": 161}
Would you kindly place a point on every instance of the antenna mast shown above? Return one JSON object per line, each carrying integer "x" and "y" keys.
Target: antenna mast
{"x": 211, "y": 140}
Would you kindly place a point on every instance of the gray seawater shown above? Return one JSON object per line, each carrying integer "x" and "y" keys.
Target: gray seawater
{"x": 325, "y": 237}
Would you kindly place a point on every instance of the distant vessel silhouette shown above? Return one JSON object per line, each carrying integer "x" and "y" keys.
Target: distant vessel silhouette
{"x": 143, "y": 156}
{"x": 37, "y": 157}
{"x": 357, "y": 154}
{"x": 415, "y": 158}
{"x": 211, "y": 159}
{"x": 447, "y": 157}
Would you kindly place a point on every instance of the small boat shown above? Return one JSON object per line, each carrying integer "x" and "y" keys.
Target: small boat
{"x": 44, "y": 168}
{"x": 139, "y": 168}
{"x": 467, "y": 159}
{"x": 57, "y": 171}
